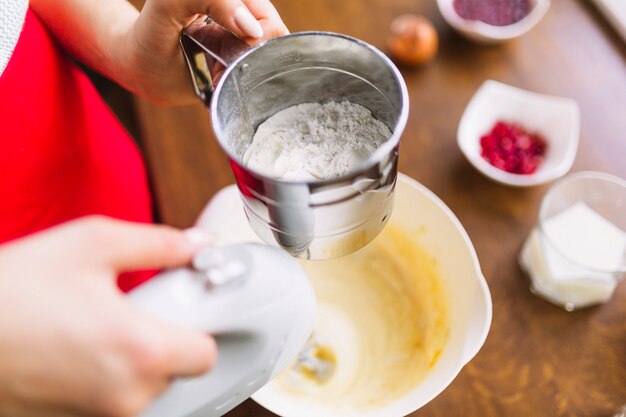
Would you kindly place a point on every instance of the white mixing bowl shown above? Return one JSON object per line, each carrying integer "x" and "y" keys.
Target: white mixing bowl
{"x": 425, "y": 217}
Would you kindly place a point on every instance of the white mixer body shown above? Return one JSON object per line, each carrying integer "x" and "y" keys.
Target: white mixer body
{"x": 261, "y": 311}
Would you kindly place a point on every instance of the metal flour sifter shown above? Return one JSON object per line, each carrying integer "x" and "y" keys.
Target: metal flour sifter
{"x": 243, "y": 86}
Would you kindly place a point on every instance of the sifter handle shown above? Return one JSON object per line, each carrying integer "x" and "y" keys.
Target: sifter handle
{"x": 208, "y": 49}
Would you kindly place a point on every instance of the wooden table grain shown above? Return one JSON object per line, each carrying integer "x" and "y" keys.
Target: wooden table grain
{"x": 538, "y": 359}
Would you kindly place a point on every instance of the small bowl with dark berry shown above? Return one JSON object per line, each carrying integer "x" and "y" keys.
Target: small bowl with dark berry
{"x": 493, "y": 21}
{"x": 519, "y": 137}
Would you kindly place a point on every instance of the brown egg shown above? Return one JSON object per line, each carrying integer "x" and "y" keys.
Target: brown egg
{"x": 413, "y": 40}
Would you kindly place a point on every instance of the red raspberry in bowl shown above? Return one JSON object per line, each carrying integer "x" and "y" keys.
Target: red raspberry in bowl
{"x": 512, "y": 149}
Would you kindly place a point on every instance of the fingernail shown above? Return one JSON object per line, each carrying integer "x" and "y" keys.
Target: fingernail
{"x": 247, "y": 23}
{"x": 199, "y": 237}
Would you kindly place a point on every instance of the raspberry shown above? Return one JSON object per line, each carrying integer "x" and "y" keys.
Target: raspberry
{"x": 506, "y": 144}
{"x": 523, "y": 142}
{"x": 489, "y": 142}
{"x": 510, "y": 148}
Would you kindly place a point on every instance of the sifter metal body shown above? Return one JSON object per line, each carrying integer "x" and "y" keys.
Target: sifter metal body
{"x": 244, "y": 86}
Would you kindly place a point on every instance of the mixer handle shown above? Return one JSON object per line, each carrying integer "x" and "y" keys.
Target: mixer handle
{"x": 258, "y": 303}
{"x": 208, "y": 49}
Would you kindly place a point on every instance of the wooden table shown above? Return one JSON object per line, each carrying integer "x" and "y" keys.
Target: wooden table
{"x": 538, "y": 359}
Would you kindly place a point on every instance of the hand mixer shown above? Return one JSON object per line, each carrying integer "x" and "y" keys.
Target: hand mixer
{"x": 257, "y": 302}
{"x": 256, "y": 299}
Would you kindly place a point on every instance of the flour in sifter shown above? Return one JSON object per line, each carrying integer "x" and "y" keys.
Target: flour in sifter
{"x": 313, "y": 141}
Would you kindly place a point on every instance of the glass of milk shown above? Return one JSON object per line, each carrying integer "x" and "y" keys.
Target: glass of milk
{"x": 576, "y": 254}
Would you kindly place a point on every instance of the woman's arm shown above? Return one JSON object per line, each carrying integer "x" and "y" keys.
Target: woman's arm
{"x": 140, "y": 51}
{"x": 94, "y": 32}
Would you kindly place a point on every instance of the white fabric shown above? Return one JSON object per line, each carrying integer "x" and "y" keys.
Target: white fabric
{"x": 12, "y": 14}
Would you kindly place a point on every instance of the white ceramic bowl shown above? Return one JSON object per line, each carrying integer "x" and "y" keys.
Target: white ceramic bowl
{"x": 556, "y": 118}
{"x": 424, "y": 216}
{"x": 485, "y": 33}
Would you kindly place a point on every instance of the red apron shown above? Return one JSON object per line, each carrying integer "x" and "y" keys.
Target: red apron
{"x": 63, "y": 154}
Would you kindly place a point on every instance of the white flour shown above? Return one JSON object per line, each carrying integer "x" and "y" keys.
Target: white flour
{"x": 315, "y": 141}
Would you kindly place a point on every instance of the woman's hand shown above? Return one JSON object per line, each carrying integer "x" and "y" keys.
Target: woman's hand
{"x": 141, "y": 51}
{"x": 155, "y": 56}
{"x": 71, "y": 345}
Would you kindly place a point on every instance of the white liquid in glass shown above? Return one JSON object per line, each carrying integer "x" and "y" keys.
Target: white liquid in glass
{"x": 574, "y": 260}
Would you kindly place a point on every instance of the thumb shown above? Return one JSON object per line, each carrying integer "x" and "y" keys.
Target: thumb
{"x": 126, "y": 246}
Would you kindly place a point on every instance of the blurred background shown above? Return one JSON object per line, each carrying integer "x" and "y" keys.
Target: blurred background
{"x": 538, "y": 359}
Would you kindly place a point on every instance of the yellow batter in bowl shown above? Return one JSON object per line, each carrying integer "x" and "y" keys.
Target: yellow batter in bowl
{"x": 382, "y": 319}
{"x": 401, "y": 317}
